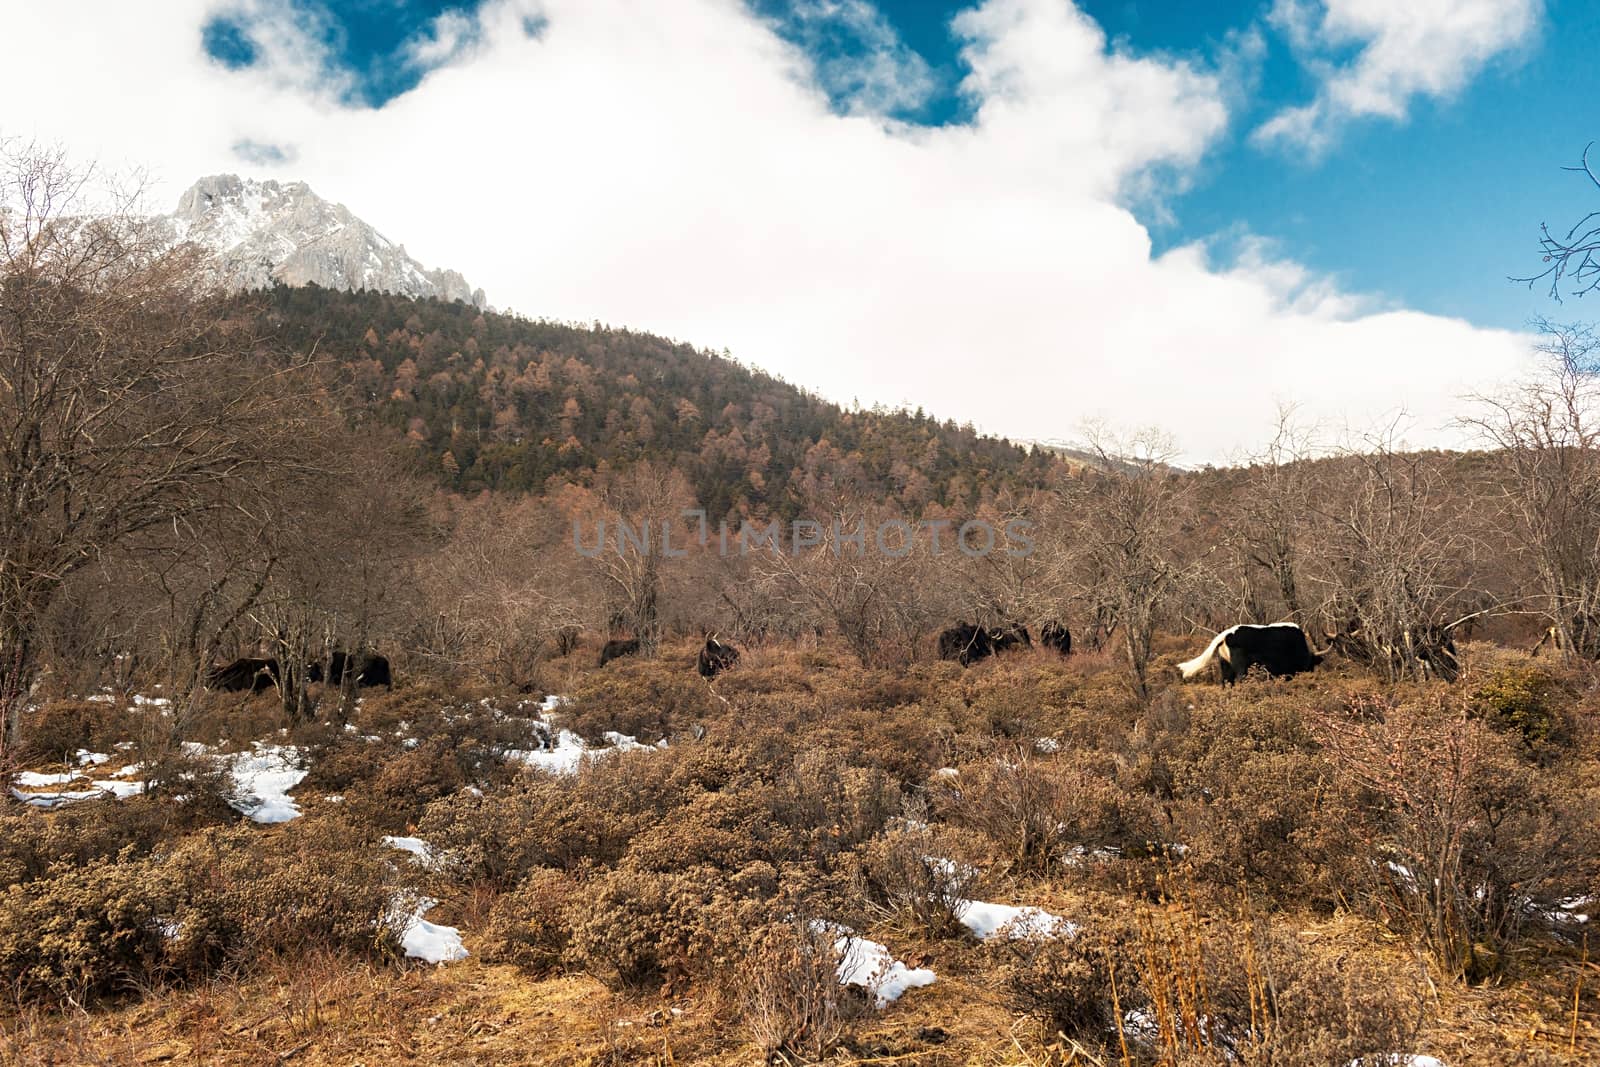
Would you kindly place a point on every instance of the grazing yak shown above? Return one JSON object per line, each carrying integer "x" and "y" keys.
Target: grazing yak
{"x": 1055, "y": 635}
{"x": 617, "y": 648}
{"x": 967, "y": 644}
{"x": 715, "y": 658}
{"x": 368, "y": 669}
{"x": 1280, "y": 648}
{"x": 245, "y": 675}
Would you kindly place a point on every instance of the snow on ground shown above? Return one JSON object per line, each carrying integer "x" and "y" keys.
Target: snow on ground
{"x": 430, "y": 942}
{"x": 565, "y": 753}
{"x": 1400, "y": 1059}
{"x": 562, "y": 757}
{"x": 420, "y": 852}
{"x": 261, "y": 782}
{"x": 36, "y": 780}
{"x": 987, "y": 920}
{"x": 871, "y": 966}
{"x": 50, "y": 799}
{"x": 35, "y": 788}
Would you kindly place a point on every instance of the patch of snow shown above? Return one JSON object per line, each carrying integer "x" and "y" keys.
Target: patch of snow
{"x": 52, "y": 799}
{"x": 430, "y": 942}
{"x": 418, "y": 848}
{"x": 552, "y": 702}
{"x": 871, "y": 966}
{"x": 34, "y": 779}
{"x": 624, "y": 743}
{"x": 262, "y": 780}
{"x": 101, "y": 698}
{"x": 1399, "y": 1059}
{"x": 987, "y": 921}
{"x": 121, "y": 790}
{"x": 86, "y": 757}
{"x": 562, "y": 757}
{"x": 49, "y": 801}
{"x": 409, "y": 743}
{"x": 1046, "y": 745}
{"x": 334, "y": 798}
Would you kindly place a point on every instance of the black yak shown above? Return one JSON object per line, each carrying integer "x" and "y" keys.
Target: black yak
{"x": 1055, "y": 635}
{"x": 247, "y": 675}
{"x": 715, "y": 658}
{"x": 617, "y": 648}
{"x": 1281, "y": 649}
{"x": 368, "y": 668}
{"x": 967, "y": 644}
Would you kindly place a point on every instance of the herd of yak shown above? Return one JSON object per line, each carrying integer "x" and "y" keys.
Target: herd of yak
{"x": 1281, "y": 649}
{"x": 251, "y": 675}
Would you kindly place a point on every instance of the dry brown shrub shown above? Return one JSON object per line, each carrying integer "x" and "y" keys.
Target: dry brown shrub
{"x": 1256, "y": 803}
{"x": 725, "y": 831}
{"x": 527, "y": 926}
{"x": 919, "y": 875}
{"x": 57, "y": 729}
{"x": 499, "y": 838}
{"x": 1038, "y": 809}
{"x": 1078, "y": 986}
{"x": 1244, "y": 991}
{"x": 243, "y": 893}
{"x": 831, "y": 804}
{"x": 33, "y": 841}
{"x": 80, "y": 933}
{"x": 1469, "y": 840}
{"x": 789, "y": 994}
{"x": 645, "y": 699}
{"x": 644, "y": 929}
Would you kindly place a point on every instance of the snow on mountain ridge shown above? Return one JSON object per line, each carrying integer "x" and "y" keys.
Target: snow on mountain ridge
{"x": 266, "y": 231}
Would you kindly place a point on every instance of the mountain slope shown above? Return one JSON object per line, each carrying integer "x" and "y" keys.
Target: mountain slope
{"x": 490, "y": 401}
{"x": 264, "y": 232}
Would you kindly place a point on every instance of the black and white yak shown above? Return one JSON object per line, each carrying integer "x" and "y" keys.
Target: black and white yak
{"x": 1280, "y": 648}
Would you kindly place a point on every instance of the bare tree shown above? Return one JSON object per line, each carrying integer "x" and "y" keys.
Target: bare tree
{"x": 1547, "y": 443}
{"x": 1571, "y": 255}
{"x": 636, "y": 526}
{"x": 503, "y": 588}
{"x": 1396, "y": 559}
{"x": 128, "y": 397}
{"x": 1270, "y": 517}
{"x": 1120, "y": 527}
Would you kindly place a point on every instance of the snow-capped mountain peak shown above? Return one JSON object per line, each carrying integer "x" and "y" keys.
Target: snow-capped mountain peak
{"x": 266, "y": 231}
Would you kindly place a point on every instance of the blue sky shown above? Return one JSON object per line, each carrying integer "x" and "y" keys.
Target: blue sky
{"x": 1129, "y": 214}
{"x": 1431, "y": 213}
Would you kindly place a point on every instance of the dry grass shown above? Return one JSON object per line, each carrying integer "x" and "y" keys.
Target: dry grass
{"x": 627, "y": 914}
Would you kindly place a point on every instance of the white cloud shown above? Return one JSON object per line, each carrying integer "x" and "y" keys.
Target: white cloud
{"x": 1412, "y": 48}
{"x": 451, "y": 33}
{"x": 671, "y": 168}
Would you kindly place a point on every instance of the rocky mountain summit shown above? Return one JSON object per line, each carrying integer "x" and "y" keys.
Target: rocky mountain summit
{"x": 266, "y": 231}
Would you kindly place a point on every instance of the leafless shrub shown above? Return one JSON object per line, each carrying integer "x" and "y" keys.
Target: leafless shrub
{"x": 790, "y": 997}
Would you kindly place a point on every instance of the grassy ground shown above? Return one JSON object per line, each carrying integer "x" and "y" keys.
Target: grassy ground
{"x": 628, "y": 913}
